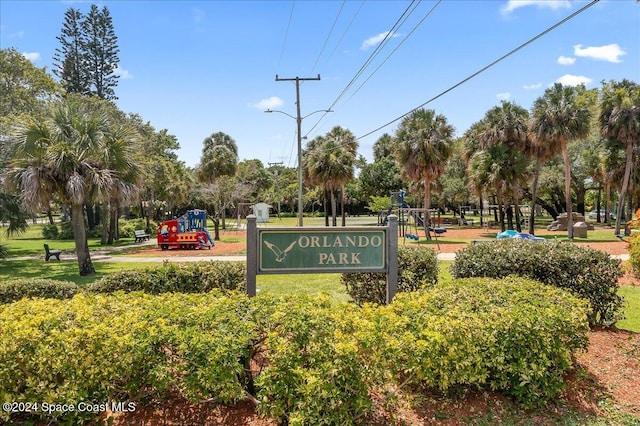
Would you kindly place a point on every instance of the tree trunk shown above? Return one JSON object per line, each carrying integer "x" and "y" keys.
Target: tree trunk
{"x": 517, "y": 213}
{"x": 427, "y": 206}
{"x": 625, "y": 185}
{"x": 91, "y": 222}
{"x": 509, "y": 210}
{"x": 50, "y": 216}
{"x": 534, "y": 195}
{"x": 334, "y": 216}
{"x": 324, "y": 206}
{"x": 567, "y": 189}
{"x": 607, "y": 202}
{"x": 342, "y": 197}
{"x": 80, "y": 238}
{"x": 104, "y": 228}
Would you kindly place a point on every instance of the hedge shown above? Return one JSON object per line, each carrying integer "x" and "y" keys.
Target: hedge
{"x": 123, "y": 348}
{"x": 194, "y": 277}
{"x": 588, "y": 273}
{"x": 514, "y": 335}
{"x": 417, "y": 268}
{"x": 305, "y": 360}
{"x": 19, "y": 288}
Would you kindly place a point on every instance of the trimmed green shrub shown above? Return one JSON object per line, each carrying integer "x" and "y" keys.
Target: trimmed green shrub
{"x": 50, "y": 231}
{"x": 193, "y": 277}
{"x": 317, "y": 369}
{"x": 588, "y": 273}
{"x": 306, "y": 359}
{"x": 417, "y": 268}
{"x": 514, "y": 335}
{"x": 19, "y": 288}
{"x": 123, "y": 347}
{"x": 127, "y": 227}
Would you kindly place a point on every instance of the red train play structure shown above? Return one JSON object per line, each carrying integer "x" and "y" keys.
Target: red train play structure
{"x": 189, "y": 231}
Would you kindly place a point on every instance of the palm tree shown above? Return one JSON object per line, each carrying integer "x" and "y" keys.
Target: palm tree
{"x": 474, "y": 176}
{"x": 507, "y": 125}
{"x": 425, "y": 141}
{"x": 219, "y": 158}
{"x": 620, "y": 121}
{"x": 58, "y": 156}
{"x": 344, "y": 161}
{"x": 118, "y": 156}
{"x": 330, "y": 165}
{"x": 560, "y": 116}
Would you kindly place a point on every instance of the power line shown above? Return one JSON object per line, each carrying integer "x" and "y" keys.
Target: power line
{"x": 286, "y": 34}
{"x": 374, "y": 53}
{"x": 346, "y": 30}
{"x": 500, "y": 59}
{"x": 396, "y": 48}
{"x": 328, "y": 36}
{"x": 407, "y": 12}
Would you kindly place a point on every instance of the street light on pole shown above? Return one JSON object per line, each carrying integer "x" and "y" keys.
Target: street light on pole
{"x": 299, "y": 119}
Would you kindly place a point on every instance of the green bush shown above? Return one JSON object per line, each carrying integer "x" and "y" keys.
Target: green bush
{"x": 123, "y": 347}
{"x": 195, "y": 277}
{"x": 417, "y": 268}
{"x": 317, "y": 369}
{"x": 588, "y": 273}
{"x": 306, "y": 359}
{"x": 514, "y": 335}
{"x": 19, "y": 288}
{"x": 127, "y": 227}
{"x": 50, "y": 231}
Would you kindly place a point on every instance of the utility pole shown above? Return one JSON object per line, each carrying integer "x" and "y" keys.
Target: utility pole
{"x": 299, "y": 122}
{"x": 277, "y": 184}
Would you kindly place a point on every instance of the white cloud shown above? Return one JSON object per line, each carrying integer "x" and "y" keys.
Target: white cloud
{"x": 124, "y": 74}
{"x": 270, "y": 103}
{"x": 532, "y": 86}
{"x": 549, "y": 4}
{"x": 19, "y": 34}
{"x": 372, "y": 41}
{"x": 566, "y": 60}
{"x": 573, "y": 80}
{"x": 503, "y": 96}
{"x": 609, "y": 53}
{"x": 32, "y": 56}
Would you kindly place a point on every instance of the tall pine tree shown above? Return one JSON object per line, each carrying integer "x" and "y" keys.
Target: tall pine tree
{"x": 87, "y": 59}
{"x": 101, "y": 52}
{"x": 69, "y": 57}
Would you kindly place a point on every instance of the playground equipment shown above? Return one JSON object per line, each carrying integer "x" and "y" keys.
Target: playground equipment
{"x": 410, "y": 219}
{"x": 189, "y": 231}
{"x": 510, "y": 233}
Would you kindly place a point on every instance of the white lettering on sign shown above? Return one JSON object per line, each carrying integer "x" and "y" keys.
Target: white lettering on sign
{"x": 339, "y": 258}
{"x": 339, "y": 241}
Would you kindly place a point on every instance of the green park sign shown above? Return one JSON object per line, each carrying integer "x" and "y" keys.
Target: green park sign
{"x": 307, "y": 250}
{"x": 319, "y": 250}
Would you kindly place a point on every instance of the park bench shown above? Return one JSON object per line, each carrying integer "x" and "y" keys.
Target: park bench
{"x": 140, "y": 235}
{"x": 48, "y": 253}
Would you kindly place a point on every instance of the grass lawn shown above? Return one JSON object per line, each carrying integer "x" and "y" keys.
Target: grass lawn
{"x": 66, "y": 270}
{"x": 632, "y": 309}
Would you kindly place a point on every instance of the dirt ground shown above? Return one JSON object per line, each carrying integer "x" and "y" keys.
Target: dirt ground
{"x": 608, "y": 370}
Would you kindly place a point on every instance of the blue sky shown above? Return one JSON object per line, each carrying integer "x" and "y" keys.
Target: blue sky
{"x": 199, "y": 67}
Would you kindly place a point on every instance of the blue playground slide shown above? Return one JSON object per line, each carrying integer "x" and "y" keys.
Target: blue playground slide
{"x": 211, "y": 243}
